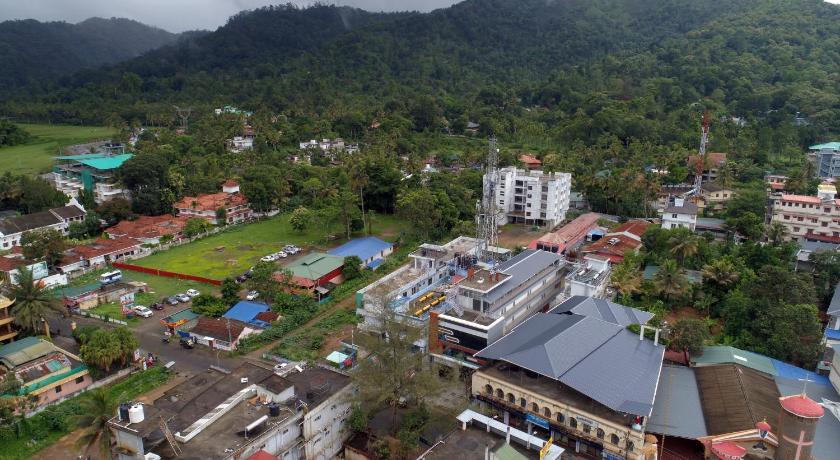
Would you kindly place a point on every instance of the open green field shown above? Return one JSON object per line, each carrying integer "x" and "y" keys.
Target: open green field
{"x": 36, "y": 156}
{"x": 233, "y": 251}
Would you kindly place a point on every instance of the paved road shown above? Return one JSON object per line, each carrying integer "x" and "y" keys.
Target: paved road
{"x": 149, "y": 333}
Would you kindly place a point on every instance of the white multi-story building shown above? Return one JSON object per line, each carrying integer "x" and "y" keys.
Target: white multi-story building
{"x": 531, "y": 197}
{"x": 681, "y": 214}
{"x": 12, "y": 228}
{"x": 826, "y": 159}
{"x": 809, "y": 217}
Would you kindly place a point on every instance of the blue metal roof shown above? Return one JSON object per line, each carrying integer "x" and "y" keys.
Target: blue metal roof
{"x": 791, "y": 372}
{"x": 375, "y": 263}
{"x": 246, "y": 311}
{"x": 832, "y": 334}
{"x": 363, "y": 248}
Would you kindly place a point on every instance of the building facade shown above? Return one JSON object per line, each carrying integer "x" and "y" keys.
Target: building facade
{"x": 531, "y": 197}
{"x": 805, "y": 217}
{"x": 233, "y": 207}
{"x": 826, "y": 159}
{"x": 59, "y": 219}
{"x": 7, "y": 332}
{"x": 681, "y": 214}
{"x": 93, "y": 172}
{"x": 44, "y": 370}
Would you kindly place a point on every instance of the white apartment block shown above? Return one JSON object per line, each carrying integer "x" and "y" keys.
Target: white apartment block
{"x": 681, "y": 214}
{"x": 531, "y": 197}
{"x": 809, "y": 217}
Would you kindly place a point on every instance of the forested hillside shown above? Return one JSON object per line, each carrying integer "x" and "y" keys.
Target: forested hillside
{"x": 589, "y": 85}
{"x": 32, "y": 51}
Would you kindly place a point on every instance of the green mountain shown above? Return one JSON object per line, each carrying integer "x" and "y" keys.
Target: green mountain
{"x": 33, "y": 51}
{"x": 628, "y": 68}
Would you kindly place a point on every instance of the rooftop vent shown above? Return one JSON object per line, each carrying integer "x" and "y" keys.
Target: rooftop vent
{"x": 613, "y": 241}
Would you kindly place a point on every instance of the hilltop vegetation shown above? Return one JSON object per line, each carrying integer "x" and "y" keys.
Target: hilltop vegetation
{"x": 34, "y": 51}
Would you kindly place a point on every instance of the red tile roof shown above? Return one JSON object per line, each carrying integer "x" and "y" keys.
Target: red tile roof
{"x": 715, "y": 159}
{"x": 149, "y": 227}
{"x": 633, "y": 227}
{"x": 261, "y": 455}
{"x": 569, "y": 234}
{"x": 802, "y": 199}
{"x": 530, "y": 160}
{"x": 613, "y": 251}
{"x": 8, "y": 264}
{"x": 103, "y": 247}
{"x": 212, "y": 202}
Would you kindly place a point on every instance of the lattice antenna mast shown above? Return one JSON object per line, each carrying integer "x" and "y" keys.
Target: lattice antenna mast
{"x": 184, "y": 116}
{"x": 701, "y": 161}
{"x": 487, "y": 230}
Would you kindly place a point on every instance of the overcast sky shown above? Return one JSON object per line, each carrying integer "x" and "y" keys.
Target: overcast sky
{"x": 178, "y": 15}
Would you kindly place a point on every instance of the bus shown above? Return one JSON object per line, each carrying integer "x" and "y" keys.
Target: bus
{"x": 110, "y": 277}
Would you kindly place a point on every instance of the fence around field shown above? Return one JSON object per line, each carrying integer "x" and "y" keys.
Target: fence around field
{"x": 158, "y": 272}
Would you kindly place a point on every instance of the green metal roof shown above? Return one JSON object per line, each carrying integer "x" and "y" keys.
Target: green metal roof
{"x": 107, "y": 163}
{"x": 24, "y": 350}
{"x": 315, "y": 265}
{"x": 507, "y": 452}
{"x": 726, "y": 355}
{"x": 183, "y": 315}
{"x": 24, "y": 389}
{"x": 84, "y": 156}
{"x": 826, "y": 146}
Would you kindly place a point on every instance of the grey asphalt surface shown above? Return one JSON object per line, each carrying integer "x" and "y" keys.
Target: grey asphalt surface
{"x": 149, "y": 333}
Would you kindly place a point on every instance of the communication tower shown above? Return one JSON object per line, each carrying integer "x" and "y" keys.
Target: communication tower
{"x": 487, "y": 230}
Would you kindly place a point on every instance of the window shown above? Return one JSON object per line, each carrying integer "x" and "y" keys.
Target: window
{"x": 535, "y": 408}
{"x": 674, "y": 216}
{"x": 500, "y": 394}
{"x": 80, "y": 379}
{"x": 787, "y": 217}
{"x": 522, "y": 402}
{"x": 825, "y": 224}
{"x": 614, "y": 439}
{"x": 599, "y": 433}
{"x": 587, "y": 428}
{"x": 488, "y": 389}
{"x": 630, "y": 446}
{"x": 511, "y": 398}
{"x": 560, "y": 418}
{"x": 58, "y": 389}
{"x": 547, "y": 412}
{"x": 573, "y": 422}
{"x": 795, "y": 229}
{"x": 826, "y": 209}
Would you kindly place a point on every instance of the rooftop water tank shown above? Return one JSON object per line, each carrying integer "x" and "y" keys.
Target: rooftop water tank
{"x": 135, "y": 414}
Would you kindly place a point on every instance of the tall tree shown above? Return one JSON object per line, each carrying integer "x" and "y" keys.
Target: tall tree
{"x": 669, "y": 281}
{"x": 32, "y": 301}
{"x": 97, "y": 407}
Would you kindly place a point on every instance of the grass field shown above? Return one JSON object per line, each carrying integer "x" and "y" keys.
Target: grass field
{"x": 233, "y": 251}
{"x": 36, "y": 156}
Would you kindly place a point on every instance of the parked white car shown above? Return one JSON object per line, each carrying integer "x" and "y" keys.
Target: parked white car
{"x": 281, "y": 255}
{"x": 269, "y": 258}
{"x": 252, "y": 295}
{"x": 143, "y": 311}
{"x": 192, "y": 292}
{"x": 291, "y": 249}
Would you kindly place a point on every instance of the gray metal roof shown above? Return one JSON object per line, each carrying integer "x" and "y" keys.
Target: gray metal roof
{"x": 677, "y": 410}
{"x": 827, "y": 438}
{"x": 600, "y": 359}
{"x": 521, "y": 267}
{"x": 834, "y": 306}
{"x": 816, "y": 246}
{"x": 603, "y": 310}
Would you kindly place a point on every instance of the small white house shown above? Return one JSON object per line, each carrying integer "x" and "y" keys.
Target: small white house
{"x": 681, "y": 214}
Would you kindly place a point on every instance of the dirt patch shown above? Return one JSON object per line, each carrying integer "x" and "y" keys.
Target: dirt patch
{"x": 334, "y": 339}
{"x": 516, "y": 236}
{"x": 245, "y": 247}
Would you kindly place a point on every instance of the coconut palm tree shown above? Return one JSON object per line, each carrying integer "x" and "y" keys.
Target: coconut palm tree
{"x": 775, "y": 233}
{"x": 721, "y": 272}
{"x": 32, "y": 301}
{"x": 669, "y": 281}
{"x": 625, "y": 280}
{"x": 97, "y": 407}
{"x": 684, "y": 246}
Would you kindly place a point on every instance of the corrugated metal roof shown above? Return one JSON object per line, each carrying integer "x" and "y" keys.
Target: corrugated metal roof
{"x": 677, "y": 410}
{"x": 245, "y": 310}
{"x": 735, "y": 398}
{"x": 24, "y": 350}
{"x": 603, "y": 310}
{"x": 600, "y": 359}
{"x": 834, "y": 305}
{"x": 107, "y": 163}
{"x": 315, "y": 265}
{"x": 363, "y": 248}
{"x": 521, "y": 267}
{"x": 730, "y": 355}
{"x": 826, "y": 146}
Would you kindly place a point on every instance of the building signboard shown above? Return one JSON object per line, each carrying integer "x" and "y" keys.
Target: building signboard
{"x": 540, "y": 422}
